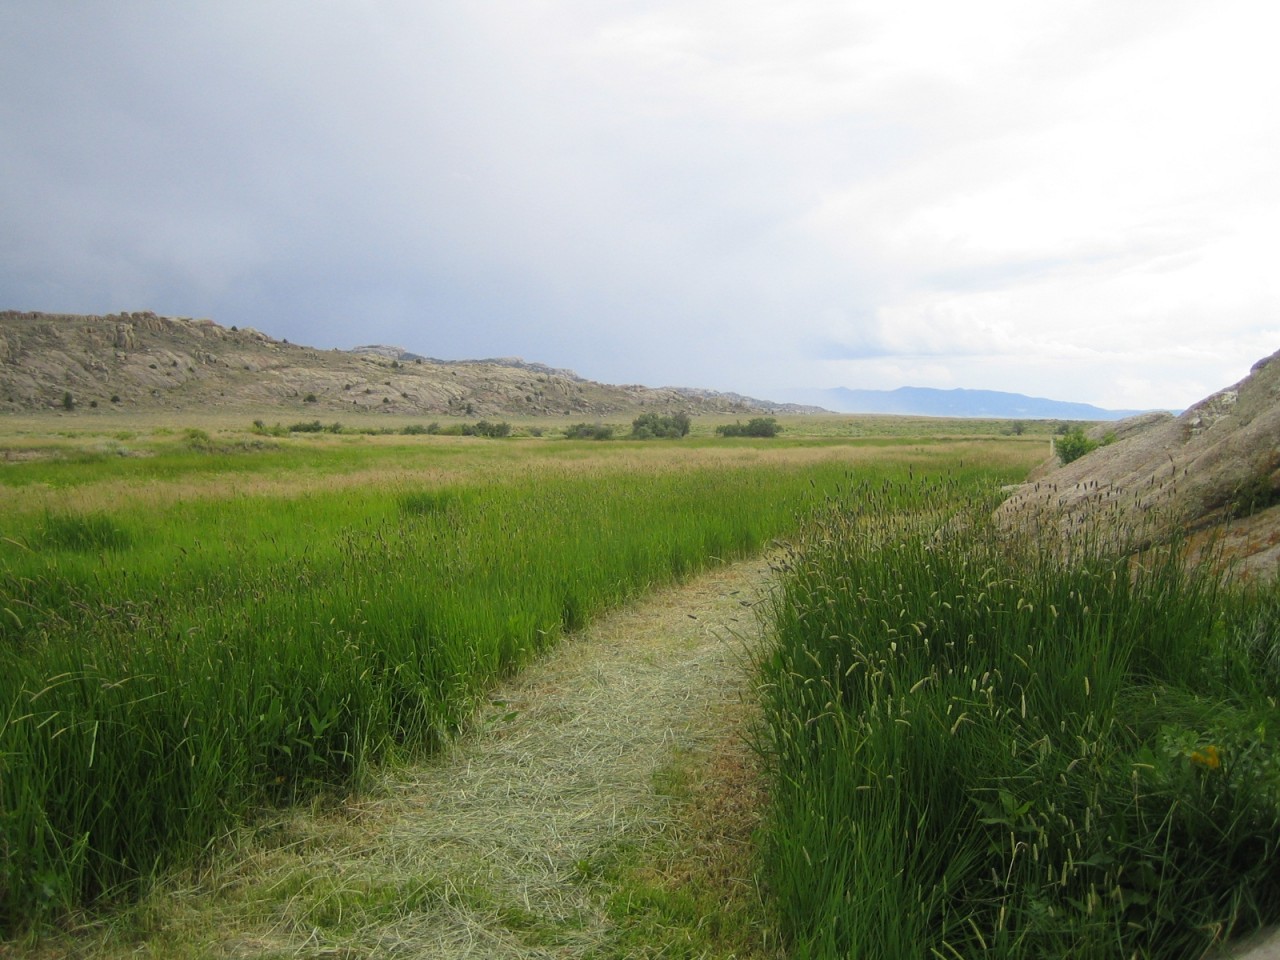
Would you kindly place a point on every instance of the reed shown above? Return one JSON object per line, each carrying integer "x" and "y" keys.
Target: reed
{"x": 985, "y": 747}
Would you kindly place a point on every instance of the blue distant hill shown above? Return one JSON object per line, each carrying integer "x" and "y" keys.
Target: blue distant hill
{"x": 931, "y": 402}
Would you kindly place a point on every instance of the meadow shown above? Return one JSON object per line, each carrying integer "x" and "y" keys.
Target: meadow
{"x": 200, "y": 621}
{"x": 973, "y": 745}
{"x": 980, "y": 746}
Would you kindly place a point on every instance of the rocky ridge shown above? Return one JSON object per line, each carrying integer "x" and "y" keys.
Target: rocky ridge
{"x": 1211, "y": 473}
{"x": 142, "y": 361}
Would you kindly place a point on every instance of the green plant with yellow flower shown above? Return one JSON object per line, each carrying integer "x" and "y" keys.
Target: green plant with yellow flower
{"x": 1208, "y": 757}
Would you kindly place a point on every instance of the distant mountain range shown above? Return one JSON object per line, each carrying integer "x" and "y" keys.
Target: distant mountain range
{"x": 144, "y": 361}
{"x": 931, "y": 402}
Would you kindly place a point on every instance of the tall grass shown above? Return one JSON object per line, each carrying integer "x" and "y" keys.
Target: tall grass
{"x": 165, "y": 669}
{"x": 980, "y": 749}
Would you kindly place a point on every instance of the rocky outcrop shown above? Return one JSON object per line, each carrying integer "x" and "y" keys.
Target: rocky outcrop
{"x": 1210, "y": 474}
{"x": 148, "y": 362}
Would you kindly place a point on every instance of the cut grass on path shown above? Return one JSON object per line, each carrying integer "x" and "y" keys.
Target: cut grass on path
{"x": 601, "y": 806}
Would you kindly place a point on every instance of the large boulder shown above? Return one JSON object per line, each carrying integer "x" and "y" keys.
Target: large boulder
{"x": 1211, "y": 475}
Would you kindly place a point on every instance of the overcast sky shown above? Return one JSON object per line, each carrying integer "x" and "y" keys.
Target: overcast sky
{"x": 1065, "y": 198}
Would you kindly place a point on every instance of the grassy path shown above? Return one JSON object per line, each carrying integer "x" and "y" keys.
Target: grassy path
{"x": 600, "y": 806}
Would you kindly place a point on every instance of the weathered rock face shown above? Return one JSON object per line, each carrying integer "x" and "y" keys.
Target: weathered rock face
{"x": 1212, "y": 472}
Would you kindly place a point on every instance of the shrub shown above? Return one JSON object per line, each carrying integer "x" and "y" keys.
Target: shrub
{"x": 1253, "y": 494}
{"x": 309, "y": 398}
{"x": 653, "y": 426}
{"x": 755, "y": 427}
{"x": 589, "y": 431}
{"x": 486, "y": 429}
{"x": 263, "y": 430}
{"x": 1073, "y": 445}
{"x": 198, "y": 439}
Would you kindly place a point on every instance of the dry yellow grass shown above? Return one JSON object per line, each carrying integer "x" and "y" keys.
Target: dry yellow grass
{"x": 433, "y": 461}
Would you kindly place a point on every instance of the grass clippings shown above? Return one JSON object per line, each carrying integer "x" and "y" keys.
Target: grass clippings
{"x": 601, "y": 805}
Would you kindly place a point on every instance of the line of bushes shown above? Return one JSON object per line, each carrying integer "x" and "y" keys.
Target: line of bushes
{"x": 483, "y": 428}
{"x": 654, "y": 426}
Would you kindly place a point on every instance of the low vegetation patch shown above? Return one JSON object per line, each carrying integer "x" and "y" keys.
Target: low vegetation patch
{"x": 755, "y": 427}
{"x": 482, "y": 428}
{"x": 314, "y": 426}
{"x": 82, "y": 533}
{"x": 431, "y": 502}
{"x": 589, "y": 431}
{"x": 979, "y": 750}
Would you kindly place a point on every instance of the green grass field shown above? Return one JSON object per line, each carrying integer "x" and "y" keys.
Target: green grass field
{"x": 973, "y": 747}
{"x": 979, "y": 749}
{"x": 196, "y": 621}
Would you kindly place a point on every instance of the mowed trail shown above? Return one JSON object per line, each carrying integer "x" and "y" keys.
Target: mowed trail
{"x": 502, "y": 846}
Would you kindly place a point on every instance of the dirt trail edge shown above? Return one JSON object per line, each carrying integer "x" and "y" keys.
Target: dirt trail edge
{"x": 505, "y": 845}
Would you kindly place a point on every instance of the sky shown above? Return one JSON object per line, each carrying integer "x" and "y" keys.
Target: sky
{"x": 1070, "y": 199}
